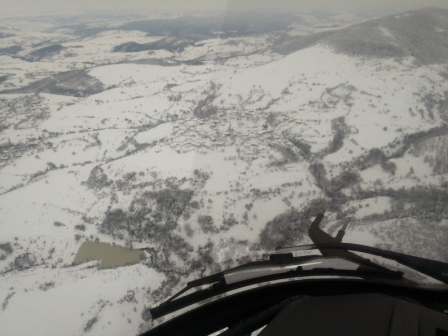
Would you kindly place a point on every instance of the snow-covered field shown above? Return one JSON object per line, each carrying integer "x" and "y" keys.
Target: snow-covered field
{"x": 193, "y": 153}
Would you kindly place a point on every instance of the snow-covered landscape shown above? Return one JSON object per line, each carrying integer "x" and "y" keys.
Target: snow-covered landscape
{"x": 195, "y": 140}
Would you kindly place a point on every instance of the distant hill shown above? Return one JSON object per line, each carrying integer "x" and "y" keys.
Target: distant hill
{"x": 10, "y": 50}
{"x": 41, "y": 44}
{"x": 184, "y": 31}
{"x": 75, "y": 83}
{"x": 3, "y": 35}
{"x": 170, "y": 44}
{"x": 234, "y": 24}
{"x": 40, "y": 54}
{"x": 422, "y": 34}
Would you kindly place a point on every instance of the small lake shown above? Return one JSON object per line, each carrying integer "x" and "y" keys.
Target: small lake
{"x": 110, "y": 255}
